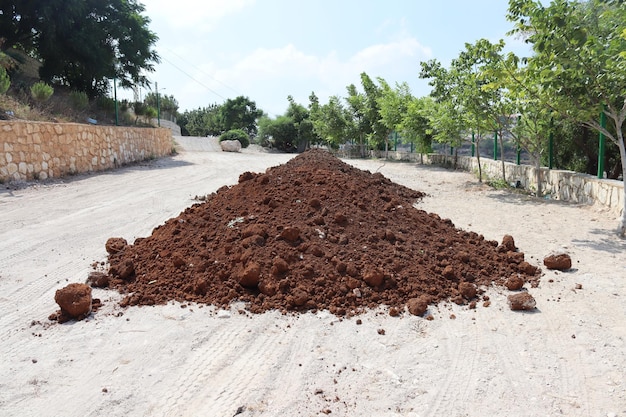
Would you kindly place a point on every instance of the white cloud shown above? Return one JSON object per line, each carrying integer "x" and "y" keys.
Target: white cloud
{"x": 289, "y": 63}
{"x": 269, "y": 75}
{"x": 198, "y": 15}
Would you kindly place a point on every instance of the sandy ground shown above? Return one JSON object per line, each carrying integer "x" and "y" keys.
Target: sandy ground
{"x": 566, "y": 359}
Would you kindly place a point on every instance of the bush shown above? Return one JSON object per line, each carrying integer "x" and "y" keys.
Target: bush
{"x": 5, "y": 81}
{"x": 105, "y": 103}
{"x": 79, "y": 100}
{"x": 236, "y": 134}
{"x": 41, "y": 91}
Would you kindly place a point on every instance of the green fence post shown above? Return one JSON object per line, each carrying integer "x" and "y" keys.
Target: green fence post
{"x": 518, "y": 158}
{"x": 473, "y": 145}
{"x": 495, "y": 146}
{"x": 117, "y": 121}
{"x": 551, "y": 144}
{"x": 601, "y": 146}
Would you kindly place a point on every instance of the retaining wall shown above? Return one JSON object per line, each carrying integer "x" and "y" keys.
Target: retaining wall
{"x": 41, "y": 150}
{"x": 557, "y": 184}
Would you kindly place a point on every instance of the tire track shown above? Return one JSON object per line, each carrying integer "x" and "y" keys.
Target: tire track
{"x": 454, "y": 388}
{"x": 215, "y": 378}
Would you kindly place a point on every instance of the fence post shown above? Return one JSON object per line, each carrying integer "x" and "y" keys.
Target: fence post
{"x": 495, "y": 146}
{"x": 601, "y": 146}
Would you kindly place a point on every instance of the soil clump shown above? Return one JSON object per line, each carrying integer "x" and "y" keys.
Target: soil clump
{"x": 314, "y": 233}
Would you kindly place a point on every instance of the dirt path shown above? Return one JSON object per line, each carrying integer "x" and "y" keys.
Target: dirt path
{"x": 565, "y": 359}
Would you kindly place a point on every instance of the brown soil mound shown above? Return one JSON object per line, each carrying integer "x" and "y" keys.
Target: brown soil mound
{"x": 314, "y": 233}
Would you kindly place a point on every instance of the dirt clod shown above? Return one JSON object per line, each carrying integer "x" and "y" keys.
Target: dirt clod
{"x": 115, "y": 244}
{"x": 560, "y": 262}
{"x": 314, "y": 233}
{"x": 522, "y": 301}
{"x": 514, "y": 283}
{"x": 74, "y": 301}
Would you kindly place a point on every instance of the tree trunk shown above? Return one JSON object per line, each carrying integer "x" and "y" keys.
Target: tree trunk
{"x": 538, "y": 175}
{"x": 480, "y": 169}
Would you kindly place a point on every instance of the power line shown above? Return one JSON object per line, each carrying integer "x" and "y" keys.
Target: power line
{"x": 204, "y": 72}
{"x": 192, "y": 78}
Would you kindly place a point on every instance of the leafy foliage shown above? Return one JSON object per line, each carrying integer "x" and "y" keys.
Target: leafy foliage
{"x": 579, "y": 63}
{"x": 110, "y": 38}
{"x": 236, "y": 134}
{"x": 166, "y": 103}
{"x": 79, "y": 100}
{"x": 204, "y": 121}
{"x": 5, "y": 81}
{"x": 239, "y": 113}
{"x": 41, "y": 92}
{"x": 281, "y": 132}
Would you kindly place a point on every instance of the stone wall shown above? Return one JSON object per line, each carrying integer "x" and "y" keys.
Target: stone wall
{"x": 40, "y": 150}
{"x": 170, "y": 125}
{"x": 556, "y": 184}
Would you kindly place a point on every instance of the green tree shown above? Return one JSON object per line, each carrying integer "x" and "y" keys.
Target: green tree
{"x": 379, "y": 133}
{"x": 580, "y": 58}
{"x": 393, "y": 105}
{"x": 280, "y": 132}
{"x": 466, "y": 90}
{"x": 166, "y": 103}
{"x": 358, "y": 127}
{"x": 488, "y": 58}
{"x": 329, "y": 120}
{"x": 240, "y": 113}
{"x": 416, "y": 125}
{"x": 204, "y": 121}
{"x": 109, "y": 38}
{"x": 41, "y": 92}
{"x": 305, "y": 133}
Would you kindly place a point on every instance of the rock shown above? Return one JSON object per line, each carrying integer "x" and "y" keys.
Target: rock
{"x": 526, "y": 268}
{"x": 74, "y": 300}
{"x": 230, "y": 145}
{"x": 514, "y": 283}
{"x": 373, "y": 277}
{"x": 417, "y": 306}
{"x": 250, "y": 276}
{"x": 467, "y": 290}
{"x": 509, "y": 243}
{"x": 522, "y": 301}
{"x": 561, "y": 262}
{"x": 115, "y": 245}
{"x": 290, "y": 234}
{"x": 98, "y": 279}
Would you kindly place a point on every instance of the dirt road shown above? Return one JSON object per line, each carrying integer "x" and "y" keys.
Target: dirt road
{"x": 567, "y": 358}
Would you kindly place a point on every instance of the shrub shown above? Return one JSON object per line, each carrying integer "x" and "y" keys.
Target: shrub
{"x": 105, "y": 103}
{"x": 5, "y": 81}
{"x": 79, "y": 100}
{"x": 41, "y": 91}
{"x": 236, "y": 134}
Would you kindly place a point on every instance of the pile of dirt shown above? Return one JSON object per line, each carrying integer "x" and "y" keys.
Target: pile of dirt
{"x": 314, "y": 233}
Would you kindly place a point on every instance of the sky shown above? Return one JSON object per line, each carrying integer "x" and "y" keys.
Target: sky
{"x": 266, "y": 50}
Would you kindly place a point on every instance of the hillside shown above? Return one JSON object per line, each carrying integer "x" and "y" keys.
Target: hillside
{"x": 17, "y": 103}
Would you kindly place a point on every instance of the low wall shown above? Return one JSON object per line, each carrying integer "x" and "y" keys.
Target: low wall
{"x": 558, "y": 184}
{"x": 41, "y": 150}
{"x": 170, "y": 125}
